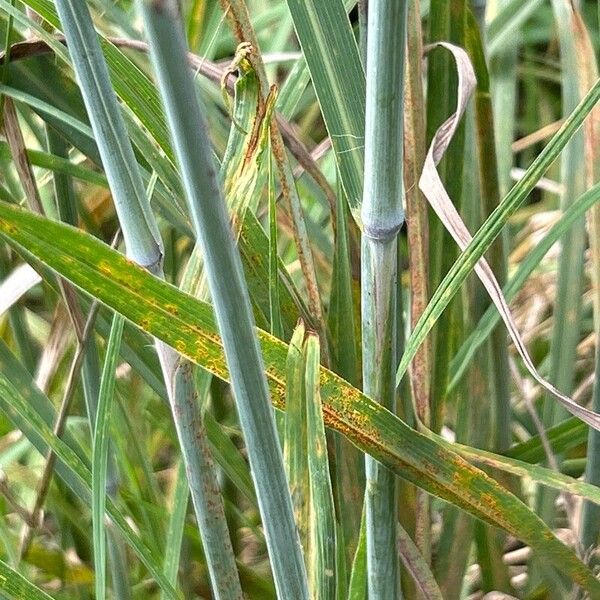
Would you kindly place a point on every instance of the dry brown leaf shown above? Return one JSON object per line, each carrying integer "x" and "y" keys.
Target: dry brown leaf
{"x": 432, "y": 187}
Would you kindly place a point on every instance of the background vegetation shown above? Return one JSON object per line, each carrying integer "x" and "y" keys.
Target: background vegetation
{"x": 139, "y": 454}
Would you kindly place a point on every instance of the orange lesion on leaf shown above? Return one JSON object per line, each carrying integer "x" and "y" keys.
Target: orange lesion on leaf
{"x": 352, "y": 423}
{"x": 362, "y": 438}
{"x": 492, "y": 508}
{"x": 342, "y": 400}
{"x": 105, "y": 268}
{"x": 278, "y": 395}
{"x": 201, "y": 349}
{"x": 548, "y": 535}
{"x": 213, "y": 337}
{"x": 202, "y": 337}
{"x": 337, "y": 390}
{"x": 172, "y": 309}
{"x": 274, "y": 374}
{"x": 8, "y": 227}
{"x": 214, "y": 365}
{"x": 489, "y": 500}
{"x": 429, "y": 467}
{"x": 462, "y": 474}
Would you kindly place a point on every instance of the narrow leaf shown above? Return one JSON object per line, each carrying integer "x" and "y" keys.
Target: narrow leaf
{"x": 323, "y": 545}
{"x": 77, "y": 476}
{"x": 331, "y": 53}
{"x": 17, "y": 587}
{"x": 492, "y": 227}
{"x": 417, "y": 566}
{"x": 295, "y": 433}
{"x": 100, "y": 452}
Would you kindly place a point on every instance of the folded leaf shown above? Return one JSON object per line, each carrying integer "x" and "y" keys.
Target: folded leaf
{"x": 431, "y": 185}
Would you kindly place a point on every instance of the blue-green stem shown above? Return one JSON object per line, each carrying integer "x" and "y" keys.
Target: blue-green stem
{"x": 229, "y": 293}
{"x": 140, "y": 231}
{"x": 144, "y": 246}
{"x": 382, "y": 216}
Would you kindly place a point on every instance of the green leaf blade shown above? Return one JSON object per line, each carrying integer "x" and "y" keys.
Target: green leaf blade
{"x": 187, "y": 324}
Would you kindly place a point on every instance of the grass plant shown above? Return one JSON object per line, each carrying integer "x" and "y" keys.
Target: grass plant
{"x": 244, "y": 359}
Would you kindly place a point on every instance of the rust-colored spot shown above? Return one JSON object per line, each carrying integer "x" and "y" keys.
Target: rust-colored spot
{"x": 105, "y": 268}
{"x": 234, "y": 22}
{"x": 430, "y": 468}
{"x": 461, "y": 477}
{"x": 278, "y": 395}
{"x": 491, "y": 506}
{"x": 212, "y": 337}
{"x": 172, "y": 309}
{"x": 548, "y": 535}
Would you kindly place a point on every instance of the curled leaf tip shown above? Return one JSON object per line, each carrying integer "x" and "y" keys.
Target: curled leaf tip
{"x": 432, "y": 187}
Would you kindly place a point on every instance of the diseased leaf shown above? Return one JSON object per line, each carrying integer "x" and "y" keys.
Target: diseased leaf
{"x": 188, "y": 325}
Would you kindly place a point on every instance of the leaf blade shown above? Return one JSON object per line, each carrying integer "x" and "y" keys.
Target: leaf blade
{"x": 336, "y": 71}
{"x": 187, "y": 324}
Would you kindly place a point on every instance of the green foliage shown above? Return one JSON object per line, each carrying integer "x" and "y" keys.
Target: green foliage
{"x": 261, "y": 184}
